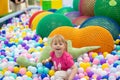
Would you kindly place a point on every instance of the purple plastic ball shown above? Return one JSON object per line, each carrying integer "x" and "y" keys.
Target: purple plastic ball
{"x": 23, "y": 44}
{"x": 99, "y": 77}
{"x": 76, "y": 78}
{"x": 90, "y": 73}
{"x": 102, "y": 61}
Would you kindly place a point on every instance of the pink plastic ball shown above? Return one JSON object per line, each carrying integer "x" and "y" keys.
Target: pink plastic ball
{"x": 80, "y": 70}
{"x": 36, "y": 79}
{"x": 22, "y": 71}
{"x": 96, "y": 61}
{"x": 116, "y": 57}
{"x": 10, "y": 68}
{"x": 46, "y": 78}
{"x": 29, "y": 56}
{"x": 81, "y": 75}
{"x": 86, "y": 59}
{"x": 110, "y": 61}
{"x": 90, "y": 53}
{"x": 88, "y": 69}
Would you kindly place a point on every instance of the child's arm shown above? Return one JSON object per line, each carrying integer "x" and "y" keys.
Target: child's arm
{"x": 47, "y": 60}
{"x": 73, "y": 72}
{"x": 17, "y": 2}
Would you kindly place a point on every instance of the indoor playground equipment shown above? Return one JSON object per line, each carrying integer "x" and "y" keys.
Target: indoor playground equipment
{"x": 104, "y": 22}
{"x": 51, "y": 4}
{"x": 32, "y": 17}
{"x": 4, "y": 7}
{"x": 37, "y": 19}
{"x": 88, "y": 36}
{"x": 86, "y": 7}
{"x": 48, "y": 23}
{"x": 109, "y": 8}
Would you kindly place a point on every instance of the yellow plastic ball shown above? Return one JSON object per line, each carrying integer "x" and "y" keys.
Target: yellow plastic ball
{"x": 24, "y": 34}
{"x": 105, "y": 65}
{"x": 29, "y": 74}
{"x": 45, "y": 44}
{"x": 31, "y": 50}
{"x": 16, "y": 69}
{"x": 41, "y": 49}
{"x": 94, "y": 54}
{"x": 82, "y": 65}
{"x": 51, "y": 72}
{"x": 11, "y": 40}
{"x": 16, "y": 40}
{"x": 1, "y": 72}
{"x": 86, "y": 77}
{"x": 40, "y": 40}
{"x": 117, "y": 41}
{"x": 105, "y": 54}
{"x": 4, "y": 70}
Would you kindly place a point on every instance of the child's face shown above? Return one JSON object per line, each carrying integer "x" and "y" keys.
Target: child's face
{"x": 58, "y": 47}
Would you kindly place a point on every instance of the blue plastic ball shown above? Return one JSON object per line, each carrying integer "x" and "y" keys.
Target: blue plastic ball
{"x": 118, "y": 78}
{"x": 43, "y": 75}
{"x": 115, "y": 65}
{"x": 105, "y": 77}
{"x": 48, "y": 65}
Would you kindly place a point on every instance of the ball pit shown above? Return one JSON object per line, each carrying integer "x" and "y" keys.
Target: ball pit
{"x": 91, "y": 65}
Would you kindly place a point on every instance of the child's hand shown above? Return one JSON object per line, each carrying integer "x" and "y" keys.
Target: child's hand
{"x": 44, "y": 61}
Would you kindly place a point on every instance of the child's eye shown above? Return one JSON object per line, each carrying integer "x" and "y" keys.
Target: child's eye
{"x": 55, "y": 43}
{"x": 61, "y": 44}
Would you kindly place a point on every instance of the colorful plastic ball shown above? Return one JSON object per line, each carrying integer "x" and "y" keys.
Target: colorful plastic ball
{"x": 16, "y": 69}
{"x": 51, "y": 72}
{"x": 105, "y": 77}
{"x": 105, "y": 54}
{"x": 29, "y": 78}
{"x": 10, "y": 68}
{"x": 94, "y": 55}
{"x": 90, "y": 73}
{"x": 43, "y": 75}
{"x": 105, "y": 65}
{"x": 18, "y": 74}
{"x": 46, "y": 78}
{"x": 22, "y": 71}
{"x": 76, "y": 77}
{"x": 36, "y": 78}
{"x": 48, "y": 65}
{"x": 96, "y": 61}
{"x": 3, "y": 32}
{"x": 40, "y": 70}
{"x": 118, "y": 78}
{"x": 99, "y": 77}
{"x": 46, "y": 70}
{"x": 117, "y": 47}
{"x": 115, "y": 65}
{"x": 113, "y": 52}
{"x": 41, "y": 45}
{"x": 13, "y": 75}
{"x": 39, "y": 65}
{"x": 29, "y": 74}
{"x": 102, "y": 61}
{"x": 110, "y": 61}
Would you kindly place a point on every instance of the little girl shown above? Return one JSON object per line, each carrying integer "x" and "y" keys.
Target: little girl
{"x": 61, "y": 59}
